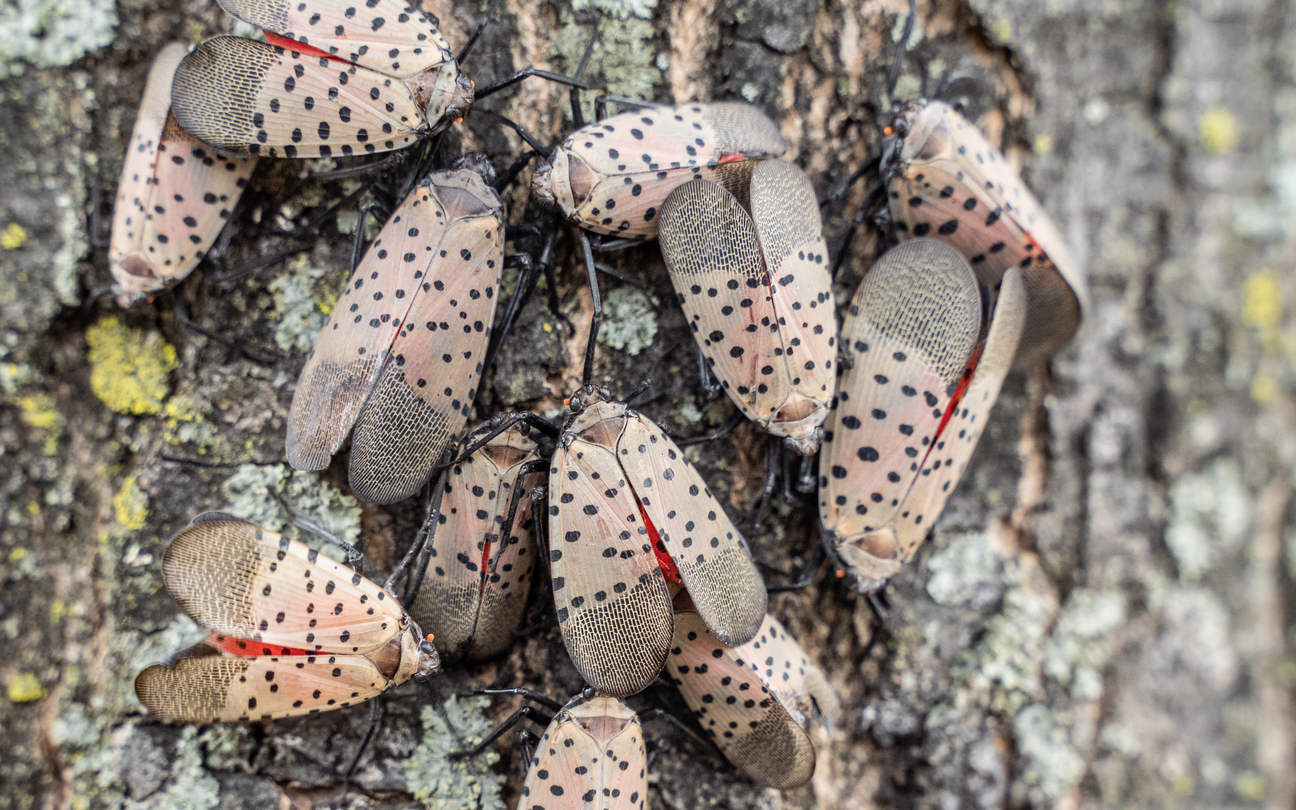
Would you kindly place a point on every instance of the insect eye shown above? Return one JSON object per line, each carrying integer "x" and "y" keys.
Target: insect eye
{"x": 575, "y": 403}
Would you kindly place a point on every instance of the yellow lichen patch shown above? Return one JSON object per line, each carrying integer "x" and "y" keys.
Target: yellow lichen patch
{"x": 1262, "y": 305}
{"x": 129, "y": 367}
{"x": 1263, "y": 389}
{"x": 38, "y": 411}
{"x": 25, "y": 688}
{"x": 1043, "y": 144}
{"x": 130, "y": 505}
{"x": 13, "y": 236}
{"x": 1217, "y": 129}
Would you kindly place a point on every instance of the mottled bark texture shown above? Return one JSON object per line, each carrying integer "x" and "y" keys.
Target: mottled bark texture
{"x": 1103, "y": 616}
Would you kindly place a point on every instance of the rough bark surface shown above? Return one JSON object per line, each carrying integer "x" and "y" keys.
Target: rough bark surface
{"x": 1104, "y": 615}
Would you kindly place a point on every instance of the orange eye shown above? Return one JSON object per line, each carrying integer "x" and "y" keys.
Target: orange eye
{"x": 887, "y": 131}
{"x": 841, "y": 573}
{"x": 430, "y": 637}
{"x": 567, "y": 402}
{"x": 459, "y": 120}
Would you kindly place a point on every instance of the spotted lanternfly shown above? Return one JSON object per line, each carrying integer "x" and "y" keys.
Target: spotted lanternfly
{"x": 474, "y": 592}
{"x": 612, "y": 176}
{"x": 334, "y": 79}
{"x": 910, "y": 409}
{"x": 400, "y": 357}
{"x": 174, "y": 196}
{"x": 944, "y": 181}
{"x": 754, "y": 700}
{"x": 627, "y": 515}
{"x": 758, "y": 296}
{"x": 293, "y": 631}
{"x": 591, "y": 756}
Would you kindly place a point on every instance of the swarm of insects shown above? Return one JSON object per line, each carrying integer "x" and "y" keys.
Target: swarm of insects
{"x": 649, "y": 574}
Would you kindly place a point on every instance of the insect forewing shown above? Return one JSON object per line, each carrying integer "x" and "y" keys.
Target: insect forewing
{"x": 611, "y": 596}
{"x": 754, "y": 699}
{"x": 474, "y": 592}
{"x": 911, "y": 330}
{"x": 708, "y": 550}
{"x": 202, "y": 686}
{"x": 252, "y": 98}
{"x": 401, "y": 354}
{"x": 427, "y": 386}
{"x": 174, "y": 196}
{"x": 591, "y": 756}
{"x": 242, "y": 580}
{"x": 386, "y": 36}
{"x": 946, "y": 182}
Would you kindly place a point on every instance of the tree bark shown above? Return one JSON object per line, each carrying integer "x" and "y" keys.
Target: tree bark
{"x": 1103, "y": 616}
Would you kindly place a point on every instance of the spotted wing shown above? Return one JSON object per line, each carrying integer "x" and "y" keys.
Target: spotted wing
{"x": 663, "y": 138}
{"x": 253, "y": 98}
{"x": 911, "y": 329}
{"x": 202, "y": 686}
{"x": 386, "y": 36}
{"x": 350, "y": 352}
{"x": 713, "y": 254}
{"x": 950, "y": 184}
{"x": 473, "y": 594}
{"x": 573, "y": 769}
{"x": 709, "y": 551}
{"x": 242, "y": 580}
{"x": 786, "y": 214}
{"x": 736, "y": 709}
{"x": 787, "y": 671}
{"x": 613, "y": 606}
{"x": 421, "y": 399}
{"x": 174, "y": 194}
{"x": 946, "y": 461}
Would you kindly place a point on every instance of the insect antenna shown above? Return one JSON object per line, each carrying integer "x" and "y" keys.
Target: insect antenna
{"x": 894, "y": 76}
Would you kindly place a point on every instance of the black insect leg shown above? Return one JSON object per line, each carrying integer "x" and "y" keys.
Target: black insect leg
{"x": 806, "y": 578}
{"x": 182, "y": 314}
{"x": 375, "y": 721}
{"x": 526, "y": 279}
{"x": 790, "y": 480}
{"x": 597, "y": 320}
{"x": 501, "y": 422}
{"x": 353, "y": 556}
{"x": 533, "y": 467}
{"x": 526, "y": 712}
{"x": 428, "y": 534}
{"x": 726, "y": 427}
{"x": 358, "y": 243}
{"x": 806, "y": 479}
{"x": 875, "y": 200}
{"x": 515, "y": 169}
{"x": 710, "y": 384}
{"x": 767, "y": 490}
{"x": 557, "y": 78}
{"x": 894, "y": 76}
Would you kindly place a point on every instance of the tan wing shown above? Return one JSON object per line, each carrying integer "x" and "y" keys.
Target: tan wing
{"x": 787, "y": 671}
{"x": 202, "y": 687}
{"x": 911, "y": 329}
{"x": 386, "y": 36}
{"x": 613, "y": 606}
{"x": 786, "y": 214}
{"x": 174, "y": 194}
{"x": 353, "y": 346}
{"x": 950, "y": 184}
{"x": 421, "y": 399}
{"x": 736, "y": 709}
{"x": 713, "y": 254}
{"x": 473, "y": 595}
{"x": 945, "y": 463}
{"x": 253, "y": 98}
{"x": 591, "y": 756}
{"x": 709, "y": 551}
{"x": 242, "y": 580}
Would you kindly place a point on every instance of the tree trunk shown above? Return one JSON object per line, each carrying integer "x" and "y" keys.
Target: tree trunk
{"x": 1100, "y": 619}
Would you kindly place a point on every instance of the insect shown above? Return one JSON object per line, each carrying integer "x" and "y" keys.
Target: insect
{"x": 910, "y": 409}
{"x": 758, "y": 296}
{"x": 944, "y": 181}
{"x": 333, "y": 79}
{"x": 174, "y": 196}
{"x": 475, "y": 587}
{"x": 754, "y": 700}
{"x": 627, "y": 515}
{"x": 293, "y": 631}
{"x": 612, "y": 176}
{"x": 401, "y": 355}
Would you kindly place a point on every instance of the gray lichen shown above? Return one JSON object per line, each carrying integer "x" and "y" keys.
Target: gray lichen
{"x": 310, "y": 497}
{"x": 440, "y": 783}
{"x": 631, "y": 323}
{"x": 46, "y": 33}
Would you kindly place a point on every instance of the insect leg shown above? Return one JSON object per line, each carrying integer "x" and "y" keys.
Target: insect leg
{"x": 767, "y": 490}
{"x": 790, "y": 482}
{"x": 515, "y": 169}
{"x": 726, "y": 427}
{"x": 358, "y": 244}
{"x": 428, "y": 531}
{"x": 875, "y": 200}
{"x": 806, "y": 578}
{"x": 806, "y": 479}
{"x": 183, "y": 315}
{"x": 597, "y": 320}
{"x": 526, "y": 280}
{"x": 558, "y": 78}
{"x": 894, "y": 75}
{"x": 353, "y": 556}
{"x": 516, "y": 717}
{"x": 539, "y": 465}
{"x": 375, "y": 720}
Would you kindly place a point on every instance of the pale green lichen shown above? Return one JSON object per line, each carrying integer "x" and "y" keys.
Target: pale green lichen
{"x": 187, "y": 423}
{"x": 129, "y": 367}
{"x": 308, "y": 496}
{"x": 625, "y": 57}
{"x": 619, "y": 9}
{"x": 304, "y": 296}
{"x": 1052, "y": 761}
{"x": 630, "y": 321}
{"x": 1210, "y": 516}
{"x": 440, "y": 783}
{"x": 1080, "y": 644}
{"x": 961, "y": 569}
{"x": 188, "y": 784}
{"x": 1005, "y": 665}
{"x": 47, "y": 33}
{"x": 687, "y": 414}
